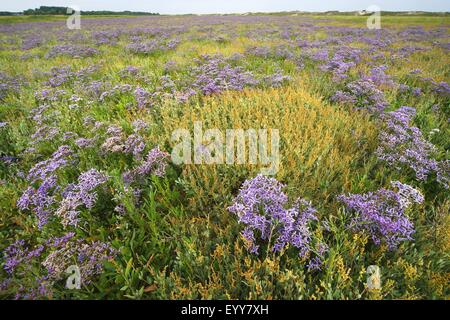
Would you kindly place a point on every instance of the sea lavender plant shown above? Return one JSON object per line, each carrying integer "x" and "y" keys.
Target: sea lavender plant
{"x": 40, "y": 200}
{"x": 74, "y": 51}
{"x": 213, "y": 75}
{"x": 261, "y": 206}
{"x": 155, "y": 163}
{"x": 378, "y": 76}
{"x": 341, "y": 62}
{"x": 60, "y": 76}
{"x": 115, "y": 140}
{"x": 9, "y": 84}
{"x": 277, "y": 79}
{"x": 76, "y": 195}
{"x": 144, "y": 99}
{"x": 364, "y": 95}
{"x": 382, "y": 213}
{"x": 88, "y": 256}
{"x": 55, "y": 254}
{"x": 135, "y": 145}
{"x": 46, "y": 168}
{"x": 402, "y": 145}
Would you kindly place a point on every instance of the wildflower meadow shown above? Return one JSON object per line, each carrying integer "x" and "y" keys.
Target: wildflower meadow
{"x": 260, "y": 156}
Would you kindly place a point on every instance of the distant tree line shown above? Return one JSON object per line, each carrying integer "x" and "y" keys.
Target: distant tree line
{"x": 46, "y": 10}
{"x": 7, "y": 13}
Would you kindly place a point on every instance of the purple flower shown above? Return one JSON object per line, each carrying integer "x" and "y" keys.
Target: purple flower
{"x": 84, "y": 142}
{"x": 402, "y": 145}
{"x": 155, "y": 163}
{"x": 277, "y": 79}
{"x": 261, "y": 206}
{"x": 74, "y": 51}
{"x": 8, "y": 85}
{"x": 382, "y": 213}
{"x": 214, "y": 75}
{"x": 56, "y": 254}
{"x": 45, "y": 168}
{"x": 379, "y": 77}
{"x": 135, "y": 145}
{"x": 139, "y": 125}
{"x": 365, "y": 95}
{"x": 143, "y": 98}
{"x": 79, "y": 194}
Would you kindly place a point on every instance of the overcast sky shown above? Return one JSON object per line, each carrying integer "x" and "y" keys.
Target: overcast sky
{"x": 230, "y": 6}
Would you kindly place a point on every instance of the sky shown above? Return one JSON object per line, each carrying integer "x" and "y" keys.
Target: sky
{"x": 230, "y": 6}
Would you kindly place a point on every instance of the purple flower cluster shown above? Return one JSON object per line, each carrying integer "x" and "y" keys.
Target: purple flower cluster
{"x": 261, "y": 206}
{"x": 342, "y": 61}
{"x": 129, "y": 71}
{"x": 103, "y": 37}
{"x": 259, "y": 51}
{"x": 8, "y": 84}
{"x": 115, "y": 91}
{"x": 31, "y": 42}
{"x": 144, "y": 99}
{"x": 139, "y": 125}
{"x": 59, "y": 76}
{"x": 40, "y": 199}
{"x": 56, "y": 254}
{"x": 117, "y": 141}
{"x": 363, "y": 94}
{"x": 276, "y": 80}
{"x": 152, "y": 46}
{"x": 43, "y": 199}
{"x": 76, "y": 195}
{"x": 114, "y": 142}
{"x": 379, "y": 77}
{"x": 442, "y": 89}
{"x": 74, "y": 51}
{"x": 214, "y": 75}
{"x": 135, "y": 145}
{"x": 49, "y": 95}
{"x": 47, "y": 168}
{"x": 85, "y": 142}
{"x": 382, "y": 213}
{"x": 88, "y": 256}
{"x": 155, "y": 163}
{"x": 402, "y": 145}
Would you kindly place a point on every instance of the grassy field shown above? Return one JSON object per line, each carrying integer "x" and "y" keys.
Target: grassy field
{"x": 172, "y": 235}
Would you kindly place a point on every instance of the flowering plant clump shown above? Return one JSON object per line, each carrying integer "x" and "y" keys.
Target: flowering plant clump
{"x": 261, "y": 206}
{"x": 379, "y": 77}
{"x": 56, "y": 254}
{"x": 213, "y": 75}
{"x": 402, "y": 145}
{"x": 152, "y": 46}
{"x": 31, "y": 42}
{"x": 342, "y": 61}
{"x": 8, "y": 84}
{"x": 118, "y": 142}
{"x": 74, "y": 51}
{"x": 155, "y": 163}
{"x": 76, "y": 195}
{"x": 364, "y": 95}
{"x": 382, "y": 213}
{"x": 40, "y": 199}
